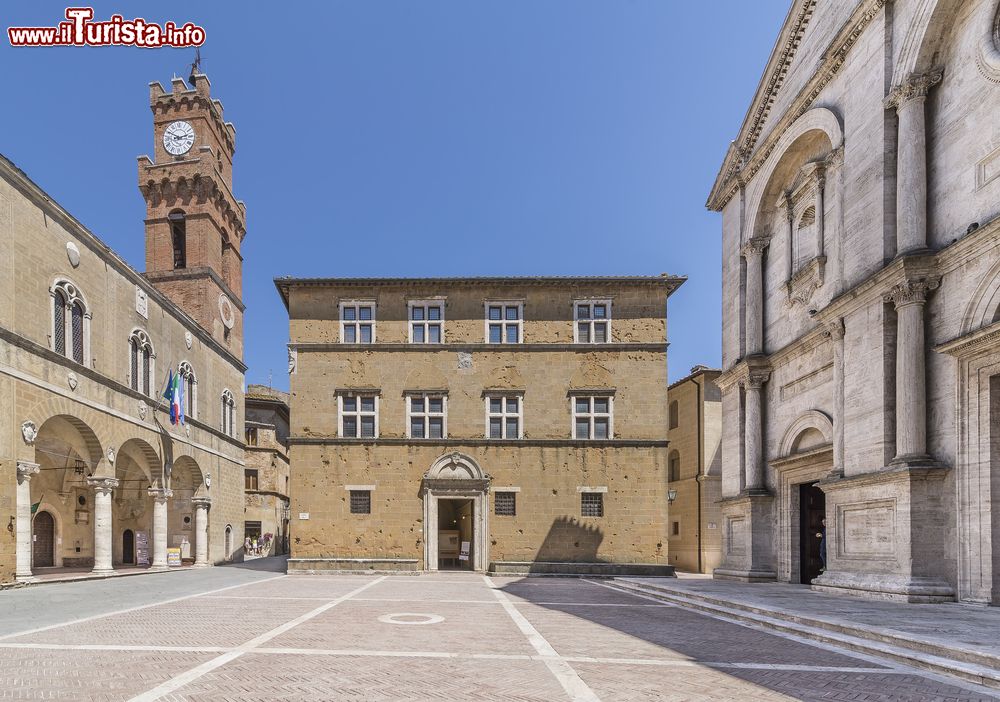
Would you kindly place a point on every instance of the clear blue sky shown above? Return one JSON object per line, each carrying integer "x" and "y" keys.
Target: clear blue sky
{"x": 402, "y": 138}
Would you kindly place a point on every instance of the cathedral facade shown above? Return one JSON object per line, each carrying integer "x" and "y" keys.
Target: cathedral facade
{"x": 861, "y": 322}
{"x": 93, "y": 472}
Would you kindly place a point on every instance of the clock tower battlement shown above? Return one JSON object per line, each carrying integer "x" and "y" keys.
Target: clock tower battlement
{"x": 195, "y": 226}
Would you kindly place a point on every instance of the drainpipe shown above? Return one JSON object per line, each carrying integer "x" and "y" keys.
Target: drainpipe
{"x": 700, "y": 469}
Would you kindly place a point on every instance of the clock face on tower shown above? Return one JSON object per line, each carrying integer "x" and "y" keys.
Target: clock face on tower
{"x": 178, "y": 138}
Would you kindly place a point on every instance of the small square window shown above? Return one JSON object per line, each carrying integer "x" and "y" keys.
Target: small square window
{"x": 361, "y": 502}
{"x": 592, "y": 504}
{"x": 505, "y": 504}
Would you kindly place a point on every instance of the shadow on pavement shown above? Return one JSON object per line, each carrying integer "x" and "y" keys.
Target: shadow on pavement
{"x": 270, "y": 564}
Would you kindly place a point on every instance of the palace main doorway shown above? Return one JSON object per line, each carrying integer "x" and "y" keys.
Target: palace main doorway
{"x": 454, "y": 493}
{"x": 456, "y": 532}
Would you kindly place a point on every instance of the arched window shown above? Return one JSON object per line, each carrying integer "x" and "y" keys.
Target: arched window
{"x": 70, "y": 322}
{"x": 674, "y": 415}
{"x": 178, "y": 237}
{"x": 141, "y": 358}
{"x": 674, "y": 467}
{"x": 805, "y": 237}
{"x": 228, "y": 412}
{"x": 190, "y": 383}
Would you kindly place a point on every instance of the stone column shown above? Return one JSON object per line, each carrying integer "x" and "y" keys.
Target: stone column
{"x": 785, "y": 206}
{"x": 835, "y": 330}
{"x": 820, "y": 211}
{"x": 911, "y": 160}
{"x": 754, "y": 431}
{"x": 22, "y": 570}
{"x": 911, "y": 391}
{"x": 201, "y": 505}
{"x": 103, "y": 537}
{"x": 160, "y": 497}
{"x": 753, "y": 252}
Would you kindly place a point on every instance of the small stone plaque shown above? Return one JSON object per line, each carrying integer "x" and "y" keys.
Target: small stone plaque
{"x": 736, "y": 536}
{"x": 141, "y": 302}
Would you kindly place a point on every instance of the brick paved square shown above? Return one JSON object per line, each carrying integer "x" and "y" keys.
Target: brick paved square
{"x": 339, "y": 638}
{"x": 311, "y": 678}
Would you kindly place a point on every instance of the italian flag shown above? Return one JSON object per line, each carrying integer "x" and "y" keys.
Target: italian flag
{"x": 175, "y": 395}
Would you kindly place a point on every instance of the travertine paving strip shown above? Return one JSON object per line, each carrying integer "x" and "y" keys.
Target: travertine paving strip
{"x": 574, "y": 686}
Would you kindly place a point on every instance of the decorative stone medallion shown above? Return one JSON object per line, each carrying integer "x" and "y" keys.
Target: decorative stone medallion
{"x": 73, "y": 254}
{"x": 226, "y": 311}
{"x": 142, "y": 410}
{"x": 111, "y": 454}
{"x": 72, "y": 380}
{"x": 187, "y": 339}
{"x": 29, "y": 431}
{"x": 411, "y": 619}
{"x": 464, "y": 360}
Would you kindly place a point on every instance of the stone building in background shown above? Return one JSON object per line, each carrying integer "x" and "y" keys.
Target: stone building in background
{"x": 92, "y": 472}
{"x": 266, "y": 474}
{"x": 501, "y": 424}
{"x": 694, "y": 471}
{"x": 861, "y": 319}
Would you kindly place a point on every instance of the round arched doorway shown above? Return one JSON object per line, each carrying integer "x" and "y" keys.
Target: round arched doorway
{"x": 43, "y": 546}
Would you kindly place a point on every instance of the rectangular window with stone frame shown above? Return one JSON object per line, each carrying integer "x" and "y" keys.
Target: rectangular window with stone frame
{"x": 357, "y": 322}
{"x": 426, "y": 321}
{"x": 593, "y": 416}
{"x": 358, "y": 415}
{"x": 504, "y": 416}
{"x": 504, "y": 322}
{"x": 427, "y": 415}
{"x": 592, "y": 321}
{"x": 250, "y": 479}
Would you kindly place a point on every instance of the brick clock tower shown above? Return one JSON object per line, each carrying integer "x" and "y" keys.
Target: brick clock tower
{"x": 194, "y": 224}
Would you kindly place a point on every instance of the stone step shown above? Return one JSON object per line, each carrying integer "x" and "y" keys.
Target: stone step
{"x": 971, "y": 666}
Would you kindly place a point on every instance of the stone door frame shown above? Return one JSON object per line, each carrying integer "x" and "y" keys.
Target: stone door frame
{"x": 791, "y": 472}
{"x": 480, "y": 525}
{"x": 456, "y": 476}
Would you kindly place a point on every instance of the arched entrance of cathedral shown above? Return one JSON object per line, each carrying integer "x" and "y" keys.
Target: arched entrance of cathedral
{"x": 43, "y": 540}
{"x": 806, "y": 452}
{"x": 456, "y": 524}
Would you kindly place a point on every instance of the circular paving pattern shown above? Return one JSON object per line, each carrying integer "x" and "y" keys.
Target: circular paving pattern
{"x": 410, "y": 618}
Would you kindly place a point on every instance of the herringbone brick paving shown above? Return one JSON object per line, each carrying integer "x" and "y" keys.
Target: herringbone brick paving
{"x": 304, "y": 638}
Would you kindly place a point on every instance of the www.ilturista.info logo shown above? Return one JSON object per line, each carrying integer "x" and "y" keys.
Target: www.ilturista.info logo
{"x": 79, "y": 30}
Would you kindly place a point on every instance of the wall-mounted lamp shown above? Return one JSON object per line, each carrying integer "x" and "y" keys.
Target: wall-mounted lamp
{"x": 671, "y": 495}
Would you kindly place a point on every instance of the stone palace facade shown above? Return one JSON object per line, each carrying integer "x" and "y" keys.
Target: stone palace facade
{"x": 861, "y": 332}
{"x": 92, "y": 472}
{"x": 501, "y": 424}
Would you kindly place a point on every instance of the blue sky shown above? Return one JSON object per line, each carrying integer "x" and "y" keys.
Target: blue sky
{"x": 440, "y": 137}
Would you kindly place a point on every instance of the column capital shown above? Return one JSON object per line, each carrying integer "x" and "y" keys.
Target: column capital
{"x": 784, "y": 204}
{"x": 160, "y": 493}
{"x": 916, "y": 86}
{"x": 911, "y": 292}
{"x": 755, "y": 246}
{"x": 102, "y": 485}
{"x": 202, "y": 502}
{"x": 835, "y": 329}
{"x": 26, "y": 469}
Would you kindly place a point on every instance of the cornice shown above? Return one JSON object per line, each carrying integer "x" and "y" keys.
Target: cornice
{"x": 972, "y": 343}
{"x": 749, "y": 152}
{"x": 479, "y": 347}
{"x": 493, "y": 443}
